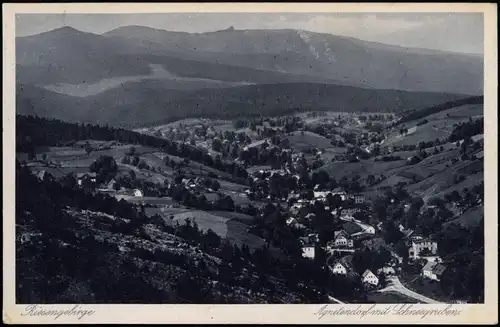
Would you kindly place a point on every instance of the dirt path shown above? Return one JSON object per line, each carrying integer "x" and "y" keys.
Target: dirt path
{"x": 396, "y": 286}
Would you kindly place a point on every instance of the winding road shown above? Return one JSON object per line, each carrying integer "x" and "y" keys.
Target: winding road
{"x": 396, "y": 286}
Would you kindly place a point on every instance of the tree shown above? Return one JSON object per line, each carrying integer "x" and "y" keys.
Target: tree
{"x": 105, "y": 167}
{"x": 370, "y": 179}
{"x": 131, "y": 151}
{"x": 226, "y": 203}
{"x": 135, "y": 161}
{"x": 132, "y": 174}
{"x": 391, "y": 233}
{"x": 88, "y": 147}
{"x": 425, "y": 253}
{"x": 215, "y": 185}
{"x": 116, "y": 186}
{"x": 382, "y": 277}
{"x": 361, "y": 215}
{"x": 320, "y": 177}
{"x": 216, "y": 145}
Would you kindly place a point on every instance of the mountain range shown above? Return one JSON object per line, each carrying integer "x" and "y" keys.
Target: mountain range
{"x": 141, "y": 75}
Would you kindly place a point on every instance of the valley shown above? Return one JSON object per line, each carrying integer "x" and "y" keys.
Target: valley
{"x": 246, "y": 166}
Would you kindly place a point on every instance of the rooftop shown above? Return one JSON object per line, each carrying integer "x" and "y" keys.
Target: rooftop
{"x": 436, "y": 268}
{"x": 367, "y": 272}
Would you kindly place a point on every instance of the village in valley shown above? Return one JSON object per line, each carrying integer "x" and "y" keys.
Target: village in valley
{"x": 249, "y": 158}
{"x": 337, "y": 189}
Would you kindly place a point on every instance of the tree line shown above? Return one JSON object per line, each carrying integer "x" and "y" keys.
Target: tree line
{"x": 32, "y": 131}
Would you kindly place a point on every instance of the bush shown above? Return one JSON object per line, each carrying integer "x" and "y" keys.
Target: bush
{"x": 105, "y": 167}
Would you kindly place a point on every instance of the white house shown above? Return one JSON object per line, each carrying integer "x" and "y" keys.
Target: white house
{"x": 81, "y": 178}
{"x": 359, "y": 198}
{"x": 308, "y": 251}
{"x": 433, "y": 270}
{"x": 338, "y": 269}
{"x": 369, "y": 278}
{"x": 291, "y": 221}
{"x": 342, "y": 239}
{"x": 340, "y": 192}
{"x": 320, "y": 195}
{"x": 419, "y": 245}
{"x": 138, "y": 192}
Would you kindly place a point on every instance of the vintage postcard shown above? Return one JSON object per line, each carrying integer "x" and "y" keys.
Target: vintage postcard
{"x": 250, "y": 163}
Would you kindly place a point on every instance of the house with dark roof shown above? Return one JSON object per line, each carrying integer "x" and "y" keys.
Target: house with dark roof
{"x": 83, "y": 178}
{"x": 341, "y": 239}
{"x": 351, "y": 228}
{"x": 433, "y": 270}
{"x": 43, "y": 175}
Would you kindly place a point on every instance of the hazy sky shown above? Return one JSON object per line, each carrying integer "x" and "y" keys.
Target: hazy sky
{"x": 459, "y": 32}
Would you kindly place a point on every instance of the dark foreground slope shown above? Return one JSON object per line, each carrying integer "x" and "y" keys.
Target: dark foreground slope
{"x": 77, "y": 247}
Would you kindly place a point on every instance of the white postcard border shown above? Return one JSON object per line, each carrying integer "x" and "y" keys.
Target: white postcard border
{"x": 279, "y": 314}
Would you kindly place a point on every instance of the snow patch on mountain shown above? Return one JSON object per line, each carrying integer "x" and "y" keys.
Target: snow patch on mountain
{"x": 306, "y": 37}
{"x": 326, "y": 52}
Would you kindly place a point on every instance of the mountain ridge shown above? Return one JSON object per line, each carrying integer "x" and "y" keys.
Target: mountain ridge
{"x": 312, "y": 55}
{"x": 146, "y": 103}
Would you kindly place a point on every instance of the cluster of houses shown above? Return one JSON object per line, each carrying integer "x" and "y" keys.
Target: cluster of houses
{"x": 322, "y": 195}
{"x": 344, "y": 244}
{"x": 420, "y": 248}
{"x": 343, "y": 267}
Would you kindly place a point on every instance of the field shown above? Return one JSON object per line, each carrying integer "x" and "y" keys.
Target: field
{"x": 230, "y": 225}
{"x": 469, "y": 181}
{"x": 77, "y": 157}
{"x": 465, "y": 111}
{"x": 425, "y": 287}
{"x": 303, "y": 140}
{"x": 147, "y": 200}
{"x": 424, "y": 133}
{"x": 439, "y": 125}
{"x": 363, "y": 168}
{"x": 440, "y": 181}
{"x": 393, "y": 180}
{"x": 469, "y": 219}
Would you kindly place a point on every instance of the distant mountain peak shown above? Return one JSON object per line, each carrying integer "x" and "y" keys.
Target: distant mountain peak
{"x": 229, "y": 29}
{"x": 63, "y": 31}
{"x": 66, "y": 29}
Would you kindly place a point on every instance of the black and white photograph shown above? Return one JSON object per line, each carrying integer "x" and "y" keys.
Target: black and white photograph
{"x": 249, "y": 158}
